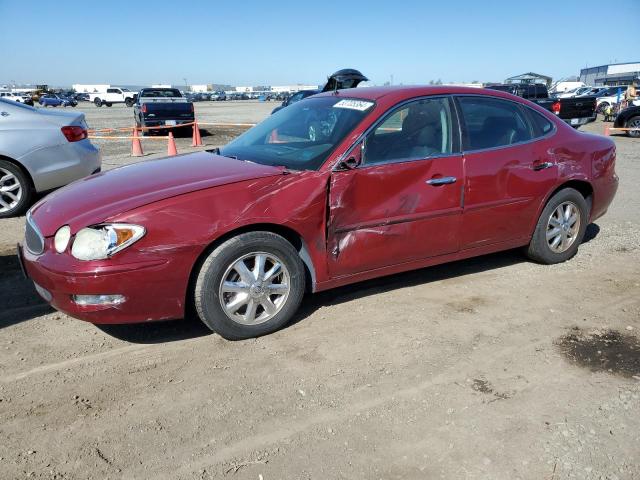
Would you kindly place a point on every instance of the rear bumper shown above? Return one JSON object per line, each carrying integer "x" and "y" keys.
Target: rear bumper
{"x": 577, "y": 122}
{"x": 157, "y": 122}
{"x": 59, "y": 165}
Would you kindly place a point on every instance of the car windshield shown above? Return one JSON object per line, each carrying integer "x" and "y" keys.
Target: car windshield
{"x": 164, "y": 92}
{"x": 300, "y": 136}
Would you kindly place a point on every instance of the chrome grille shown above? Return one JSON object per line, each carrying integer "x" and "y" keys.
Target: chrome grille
{"x": 32, "y": 237}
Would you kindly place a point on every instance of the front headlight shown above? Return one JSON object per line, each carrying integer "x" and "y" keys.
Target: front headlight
{"x": 103, "y": 241}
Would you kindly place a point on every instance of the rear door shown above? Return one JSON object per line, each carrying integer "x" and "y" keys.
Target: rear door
{"x": 403, "y": 203}
{"x": 508, "y": 170}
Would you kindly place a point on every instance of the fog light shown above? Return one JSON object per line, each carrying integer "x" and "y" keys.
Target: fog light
{"x": 86, "y": 300}
{"x": 42, "y": 292}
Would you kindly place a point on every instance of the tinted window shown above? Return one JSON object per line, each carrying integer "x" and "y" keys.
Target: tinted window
{"x": 112, "y": 90}
{"x": 420, "y": 129}
{"x": 541, "y": 125}
{"x": 493, "y": 123}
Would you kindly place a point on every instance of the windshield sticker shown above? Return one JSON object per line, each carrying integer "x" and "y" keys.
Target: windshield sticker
{"x": 361, "y": 105}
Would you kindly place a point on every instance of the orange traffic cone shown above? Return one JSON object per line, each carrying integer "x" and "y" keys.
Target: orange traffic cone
{"x": 171, "y": 146}
{"x": 136, "y": 146}
{"x": 197, "y": 141}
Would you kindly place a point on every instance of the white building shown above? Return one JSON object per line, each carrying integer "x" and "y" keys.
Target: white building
{"x": 81, "y": 88}
{"x": 199, "y": 88}
{"x": 292, "y": 88}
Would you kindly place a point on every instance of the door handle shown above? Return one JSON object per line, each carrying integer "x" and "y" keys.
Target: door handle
{"x": 541, "y": 166}
{"x": 441, "y": 181}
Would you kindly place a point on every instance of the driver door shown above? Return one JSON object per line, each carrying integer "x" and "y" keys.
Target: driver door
{"x": 403, "y": 202}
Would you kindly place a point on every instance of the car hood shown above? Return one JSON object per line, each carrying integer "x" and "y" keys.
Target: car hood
{"x": 95, "y": 199}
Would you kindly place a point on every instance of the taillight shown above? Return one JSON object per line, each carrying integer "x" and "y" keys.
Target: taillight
{"x": 144, "y": 108}
{"x": 555, "y": 108}
{"x": 74, "y": 133}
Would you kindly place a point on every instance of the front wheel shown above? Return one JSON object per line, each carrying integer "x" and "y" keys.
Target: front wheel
{"x": 128, "y": 102}
{"x": 560, "y": 228}
{"x": 249, "y": 286}
{"x": 97, "y": 102}
{"x": 602, "y": 107}
{"x": 634, "y": 122}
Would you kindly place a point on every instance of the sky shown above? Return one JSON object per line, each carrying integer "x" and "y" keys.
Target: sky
{"x": 285, "y": 42}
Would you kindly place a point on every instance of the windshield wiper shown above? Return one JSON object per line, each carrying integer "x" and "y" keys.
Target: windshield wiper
{"x": 216, "y": 151}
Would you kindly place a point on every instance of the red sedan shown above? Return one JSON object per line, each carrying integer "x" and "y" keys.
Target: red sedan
{"x": 341, "y": 187}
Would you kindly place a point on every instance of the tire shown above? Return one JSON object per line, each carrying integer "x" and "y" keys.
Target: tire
{"x": 109, "y": 104}
{"x": 541, "y": 248}
{"x": 97, "y": 102}
{"x": 13, "y": 183}
{"x": 128, "y": 102}
{"x": 602, "y": 107}
{"x": 633, "y": 122}
{"x": 220, "y": 266}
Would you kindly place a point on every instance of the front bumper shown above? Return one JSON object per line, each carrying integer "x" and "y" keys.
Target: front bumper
{"x": 150, "y": 286}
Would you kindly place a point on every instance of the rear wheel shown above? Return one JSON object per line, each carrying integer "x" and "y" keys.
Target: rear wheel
{"x": 15, "y": 190}
{"x": 109, "y": 104}
{"x": 634, "y": 122}
{"x": 560, "y": 228}
{"x": 602, "y": 107}
{"x": 250, "y": 285}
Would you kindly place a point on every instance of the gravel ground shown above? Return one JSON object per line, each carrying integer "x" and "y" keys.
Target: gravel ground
{"x": 489, "y": 368}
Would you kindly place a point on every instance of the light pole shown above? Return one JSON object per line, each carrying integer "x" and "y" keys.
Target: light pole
{"x": 186, "y": 87}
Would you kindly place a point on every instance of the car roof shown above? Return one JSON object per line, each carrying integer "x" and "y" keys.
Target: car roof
{"x": 398, "y": 93}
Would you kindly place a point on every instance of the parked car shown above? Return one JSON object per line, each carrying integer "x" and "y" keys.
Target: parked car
{"x": 55, "y": 100}
{"x": 574, "y": 111}
{"x": 629, "y": 118}
{"x": 162, "y": 106}
{"x": 112, "y": 96}
{"x": 342, "y": 79}
{"x": 576, "y": 92}
{"x": 609, "y": 96}
{"x": 218, "y": 96}
{"x": 392, "y": 180}
{"x": 39, "y": 151}
{"x": 14, "y": 97}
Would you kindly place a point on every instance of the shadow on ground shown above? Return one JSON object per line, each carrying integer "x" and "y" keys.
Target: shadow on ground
{"x": 191, "y": 327}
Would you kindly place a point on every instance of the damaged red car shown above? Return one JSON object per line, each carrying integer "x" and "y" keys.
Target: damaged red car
{"x": 341, "y": 187}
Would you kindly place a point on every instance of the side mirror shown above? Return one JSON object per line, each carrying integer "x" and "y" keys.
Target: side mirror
{"x": 353, "y": 159}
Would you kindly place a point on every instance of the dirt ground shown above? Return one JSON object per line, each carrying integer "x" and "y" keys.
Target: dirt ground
{"x": 489, "y": 368}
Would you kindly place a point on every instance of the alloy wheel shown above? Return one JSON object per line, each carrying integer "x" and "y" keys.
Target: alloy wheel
{"x": 563, "y": 227}
{"x": 10, "y": 191}
{"x": 254, "y": 288}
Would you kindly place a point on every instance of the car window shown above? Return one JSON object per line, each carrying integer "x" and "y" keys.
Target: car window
{"x": 303, "y": 135}
{"x": 541, "y": 125}
{"x": 419, "y": 129}
{"x": 295, "y": 98}
{"x": 492, "y": 122}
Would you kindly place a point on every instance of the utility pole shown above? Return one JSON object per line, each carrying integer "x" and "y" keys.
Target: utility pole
{"x": 186, "y": 86}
